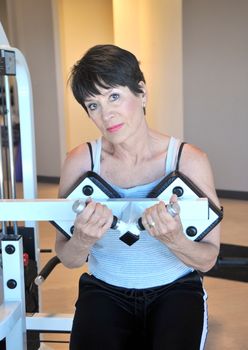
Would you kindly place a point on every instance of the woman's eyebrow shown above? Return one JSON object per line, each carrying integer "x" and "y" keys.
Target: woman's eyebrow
{"x": 106, "y": 92}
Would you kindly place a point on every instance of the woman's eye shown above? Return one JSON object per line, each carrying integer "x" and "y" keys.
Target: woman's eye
{"x": 92, "y": 106}
{"x": 114, "y": 97}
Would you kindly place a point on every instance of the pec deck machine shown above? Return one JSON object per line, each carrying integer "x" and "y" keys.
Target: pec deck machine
{"x": 20, "y": 318}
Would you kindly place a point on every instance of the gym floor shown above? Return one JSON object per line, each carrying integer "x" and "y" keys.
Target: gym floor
{"x": 227, "y": 299}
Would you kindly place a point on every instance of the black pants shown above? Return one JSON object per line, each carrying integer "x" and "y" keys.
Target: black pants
{"x": 171, "y": 317}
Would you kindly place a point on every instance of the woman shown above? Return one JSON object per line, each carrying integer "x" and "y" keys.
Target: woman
{"x": 148, "y": 295}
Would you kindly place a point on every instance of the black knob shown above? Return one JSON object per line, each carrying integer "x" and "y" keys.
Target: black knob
{"x": 11, "y": 284}
{"x": 178, "y": 190}
{"x": 10, "y": 249}
{"x": 140, "y": 225}
{"x": 191, "y": 231}
{"x": 87, "y": 190}
{"x": 114, "y": 223}
{"x": 72, "y": 229}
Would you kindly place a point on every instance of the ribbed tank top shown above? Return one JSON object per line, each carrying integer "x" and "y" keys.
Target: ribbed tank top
{"x": 148, "y": 262}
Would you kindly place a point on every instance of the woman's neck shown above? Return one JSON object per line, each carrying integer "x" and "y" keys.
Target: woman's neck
{"x": 140, "y": 146}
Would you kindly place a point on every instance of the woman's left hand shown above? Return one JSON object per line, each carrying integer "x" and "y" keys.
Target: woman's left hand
{"x": 161, "y": 224}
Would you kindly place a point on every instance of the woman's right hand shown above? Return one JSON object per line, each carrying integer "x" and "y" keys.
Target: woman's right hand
{"x": 92, "y": 223}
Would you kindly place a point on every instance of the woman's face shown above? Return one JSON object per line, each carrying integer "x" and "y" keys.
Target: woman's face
{"x": 117, "y": 112}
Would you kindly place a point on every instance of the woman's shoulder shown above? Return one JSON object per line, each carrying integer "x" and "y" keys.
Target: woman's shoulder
{"x": 78, "y": 157}
{"x": 191, "y": 152}
{"x": 193, "y": 155}
{"x": 195, "y": 164}
{"x": 77, "y": 162}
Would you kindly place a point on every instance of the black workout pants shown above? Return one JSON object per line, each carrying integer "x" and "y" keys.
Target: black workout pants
{"x": 171, "y": 317}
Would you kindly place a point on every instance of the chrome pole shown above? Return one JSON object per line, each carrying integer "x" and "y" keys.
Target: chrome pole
{"x": 9, "y": 123}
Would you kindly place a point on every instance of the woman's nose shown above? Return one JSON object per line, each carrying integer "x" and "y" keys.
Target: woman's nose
{"x": 107, "y": 111}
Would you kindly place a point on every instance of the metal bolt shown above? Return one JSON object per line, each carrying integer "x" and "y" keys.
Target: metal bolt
{"x": 11, "y": 284}
{"x": 87, "y": 190}
{"x": 178, "y": 190}
{"x": 10, "y": 249}
{"x": 191, "y": 231}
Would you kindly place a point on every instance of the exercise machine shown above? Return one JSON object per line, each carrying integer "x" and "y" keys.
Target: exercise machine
{"x": 14, "y": 75}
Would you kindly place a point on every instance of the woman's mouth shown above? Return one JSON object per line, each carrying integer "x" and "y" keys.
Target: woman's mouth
{"x": 115, "y": 128}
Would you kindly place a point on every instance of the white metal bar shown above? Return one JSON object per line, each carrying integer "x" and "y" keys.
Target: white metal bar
{"x": 45, "y": 322}
{"x": 26, "y": 117}
{"x": 27, "y": 128}
{"x": 3, "y": 37}
{"x": 61, "y": 209}
{"x": 14, "y": 290}
{"x": 10, "y": 313}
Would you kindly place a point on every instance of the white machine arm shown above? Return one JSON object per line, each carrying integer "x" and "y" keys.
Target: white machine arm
{"x": 61, "y": 209}
{"x": 194, "y": 214}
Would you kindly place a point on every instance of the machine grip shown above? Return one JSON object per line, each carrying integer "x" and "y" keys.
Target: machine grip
{"x": 79, "y": 206}
{"x": 172, "y": 208}
{"x": 47, "y": 269}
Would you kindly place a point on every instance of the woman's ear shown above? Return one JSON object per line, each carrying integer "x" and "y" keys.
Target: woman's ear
{"x": 143, "y": 87}
{"x": 143, "y": 95}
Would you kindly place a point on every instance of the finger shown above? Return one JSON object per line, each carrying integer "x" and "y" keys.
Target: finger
{"x": 88, "y": 200}
{"x": 144, "y": 221}
{"x": 107, "y": 213}
{"x": 100, "y": 216}
{"x": 163, "y": 215}
{"x": 173, "y": 209}
{"x": 86, "y": 213}
{"x": 173, "y": 198}
{"x": 108, "y": 223}
{"x": 148, "y": 218}
{"x": 106, "y": 217}
{"x": 97, "y": 215}
{"x": 161, "y": 218}
{"x": 165, "y": 223}
{"x": 99, "y": 227}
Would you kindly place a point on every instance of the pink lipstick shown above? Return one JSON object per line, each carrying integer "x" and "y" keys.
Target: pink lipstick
{"x": 115, "y": 128}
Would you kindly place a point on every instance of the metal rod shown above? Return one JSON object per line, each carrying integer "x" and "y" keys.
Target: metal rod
{"x": 2, "y": 189}
{"x": 233, "y": 261}
{"x": 10, "y": 145}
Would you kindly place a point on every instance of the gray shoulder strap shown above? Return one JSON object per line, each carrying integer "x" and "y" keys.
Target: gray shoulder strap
{"x": 96, "y": 147}
{"x": 172, "y": 155}
{"x": 179, "y": 155}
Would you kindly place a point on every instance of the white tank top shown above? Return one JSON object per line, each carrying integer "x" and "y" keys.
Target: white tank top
{"x": 148, "y": 262}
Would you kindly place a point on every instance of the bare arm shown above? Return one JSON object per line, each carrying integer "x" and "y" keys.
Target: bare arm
{"x": 199, "y": 255}
{"x": 91, "y": 224}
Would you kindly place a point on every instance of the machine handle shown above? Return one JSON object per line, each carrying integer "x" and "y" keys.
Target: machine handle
{"x": 172, "y": 208}
{"x": 47, "y": 269}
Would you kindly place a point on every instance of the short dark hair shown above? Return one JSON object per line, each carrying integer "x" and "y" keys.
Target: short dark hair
{"x": 105, "y": 66}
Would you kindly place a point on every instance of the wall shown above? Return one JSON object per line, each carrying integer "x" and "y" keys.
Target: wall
{"x": 152, "y": 29}
{"x": 3, "y": 16}
{"x": 215, "y": 56}
{"x": 82, "y": 24}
